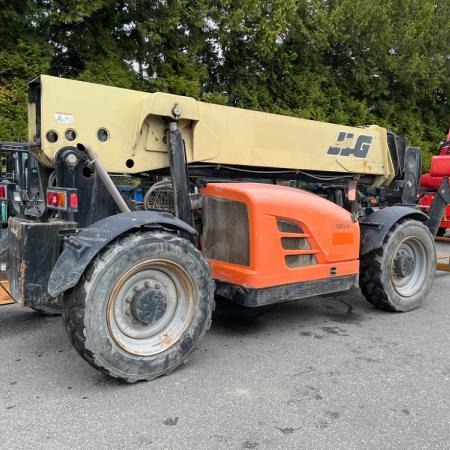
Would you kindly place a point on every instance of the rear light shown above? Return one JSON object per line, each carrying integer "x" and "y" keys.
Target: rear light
{"x": 63, "y": 199}
{"x": 3, "y": 192}
{"x": 73, "y": 202}
{"x": 57, "y": 199}
{"x": 9, "y": 192}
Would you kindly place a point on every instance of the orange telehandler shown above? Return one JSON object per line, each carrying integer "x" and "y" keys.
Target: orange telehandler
{"x": 129, "y": 211}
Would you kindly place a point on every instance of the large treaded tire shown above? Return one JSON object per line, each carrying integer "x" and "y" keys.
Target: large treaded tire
{"x": 377, "y": 278}
{"x": 87, "y": 311}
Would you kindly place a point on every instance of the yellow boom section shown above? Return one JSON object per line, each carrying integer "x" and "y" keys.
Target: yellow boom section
{"x": 135, "y": 124}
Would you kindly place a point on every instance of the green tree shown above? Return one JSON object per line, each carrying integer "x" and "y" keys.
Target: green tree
{"x": 171, "y": 50}
{"x": 24, "y": 53}
{"x": 380, "y": 61}
{"x": 345, "y": 61}
{"x": 250, "y": 58}
{"x": 88, "y": 38}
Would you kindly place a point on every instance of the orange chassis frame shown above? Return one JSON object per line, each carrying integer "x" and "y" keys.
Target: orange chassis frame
{"x": 327, "y": 233}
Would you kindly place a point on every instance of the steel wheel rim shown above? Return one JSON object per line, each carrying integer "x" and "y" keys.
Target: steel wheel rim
{"x": 147, "y": 339}
{"x": 408, "y": 285}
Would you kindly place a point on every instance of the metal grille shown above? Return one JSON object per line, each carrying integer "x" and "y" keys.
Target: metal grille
{"x": 226, "y": 231}
{"x": 300, "y": 252}
{"x": 286, "y": 226}
{"x": 300, "y": 260}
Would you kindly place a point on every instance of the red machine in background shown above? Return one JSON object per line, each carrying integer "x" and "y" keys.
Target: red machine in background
{"x": 430, "y": 182}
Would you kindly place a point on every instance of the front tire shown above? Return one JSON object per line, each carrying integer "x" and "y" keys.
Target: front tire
{"x": 399, "y": 275}
{"x": 142, "y": 306}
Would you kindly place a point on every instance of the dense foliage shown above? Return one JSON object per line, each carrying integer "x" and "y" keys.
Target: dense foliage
{"x": 346, "y": 61}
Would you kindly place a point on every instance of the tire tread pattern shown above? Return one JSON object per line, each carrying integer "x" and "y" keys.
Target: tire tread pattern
{"x": 75, "y": 302}
{"x": 371, "y": 266}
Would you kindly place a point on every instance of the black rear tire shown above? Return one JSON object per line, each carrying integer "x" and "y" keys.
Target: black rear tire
{"x": 399, "y": 275}
{"x": 142, "y": 306}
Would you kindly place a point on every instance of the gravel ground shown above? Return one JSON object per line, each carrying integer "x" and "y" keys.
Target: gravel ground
{"x": 328, "y": 372}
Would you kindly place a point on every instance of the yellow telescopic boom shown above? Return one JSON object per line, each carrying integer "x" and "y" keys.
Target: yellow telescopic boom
{"x": 127, "y": 131}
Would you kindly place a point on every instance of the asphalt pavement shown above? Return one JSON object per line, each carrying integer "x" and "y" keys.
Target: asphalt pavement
{"x": 328, "y": 372}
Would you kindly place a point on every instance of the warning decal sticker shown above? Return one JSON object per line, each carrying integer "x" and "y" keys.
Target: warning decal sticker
{"x": 64, "y": 118}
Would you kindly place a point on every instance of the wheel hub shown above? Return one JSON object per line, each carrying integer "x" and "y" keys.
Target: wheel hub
{"x": 404, "y": 264}
{"x": 148, "y": 305}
